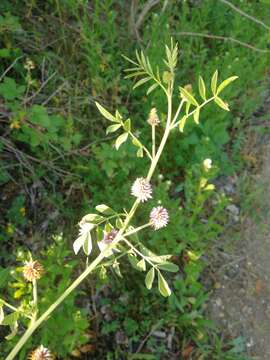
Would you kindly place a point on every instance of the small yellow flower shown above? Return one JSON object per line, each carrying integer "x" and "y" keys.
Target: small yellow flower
{"x": 32, "y": 270}
{"x": 15, "y": 125}
{"x": 22, "y": 211}
{"x": 9, "y": 229}
{"x": 29, "y": 64}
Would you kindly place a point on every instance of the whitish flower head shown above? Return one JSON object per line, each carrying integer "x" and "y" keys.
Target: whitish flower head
{"x": 141, "y": 189}
{"x": 153, "y": 118}
{"x": 106, "y": 241}
{"x": 207, "y": 164}
{"x": 41, "y": 353}
{"x": 32, "y": 270}
{"x": 159, "y": 217}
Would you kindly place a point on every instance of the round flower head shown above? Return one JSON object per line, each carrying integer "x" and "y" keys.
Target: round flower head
{"x": 153, "y": 118}
{"x": 159, "y": 217}
{"x": 41, "y": 353}
{"x": 141, "y": 189}
{"x": 32, "y": 270}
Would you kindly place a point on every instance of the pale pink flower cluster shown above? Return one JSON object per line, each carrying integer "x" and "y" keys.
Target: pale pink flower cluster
{"x": 141, "y": 189}
{"x": 159, "y": 217}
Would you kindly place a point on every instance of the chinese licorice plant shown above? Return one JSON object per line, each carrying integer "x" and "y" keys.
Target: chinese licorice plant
{"x": 111, "y": 231}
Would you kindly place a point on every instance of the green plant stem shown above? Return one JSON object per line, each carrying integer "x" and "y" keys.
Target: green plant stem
{"x": 178, "y": 111}
{"x": 144, "y": 148}
{"x": 9, "y": 306}
{"x": 153, "y": 141}
{"x": 175, "y": 124}
{"x": 35, "y": 299}
{"x": 101, "y": 256}
{"x": 134, "y": 231}
{"x": 139, "y": 253}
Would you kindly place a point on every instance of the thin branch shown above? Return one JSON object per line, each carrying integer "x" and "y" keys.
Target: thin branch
{"x": 54, "y": 93}
{"x": 41, "y": 87}
{"x": 241, "y": 12}
{"x": 10, "y": 67}
{"x": 147, "y": 7}
{"x": 223, "y": 38}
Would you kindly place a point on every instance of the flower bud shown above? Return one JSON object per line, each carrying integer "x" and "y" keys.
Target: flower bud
{"x": 153, "y": 118}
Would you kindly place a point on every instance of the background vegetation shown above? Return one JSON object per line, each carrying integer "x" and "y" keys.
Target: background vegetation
{"x": 57, "y": 58}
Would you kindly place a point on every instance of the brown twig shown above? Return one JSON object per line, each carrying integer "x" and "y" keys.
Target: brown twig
{"x": 40, "y": 88}
{"x": 223, "y": 38}
{"x": 241, "y": 12}
{"x": 147, "y": 7}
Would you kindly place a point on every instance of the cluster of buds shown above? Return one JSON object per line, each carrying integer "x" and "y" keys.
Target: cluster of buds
{"x": 41, "y": 353}
{"x": 153, "y": 118}
{"x": 29, "y": 64}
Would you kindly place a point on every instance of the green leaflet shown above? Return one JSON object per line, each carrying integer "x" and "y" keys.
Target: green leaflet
{"x": 150, "y": 276}
{"x": 120, "y": 140}
{"x": 163, "y": 286}
{"x": 214, "y": 82}
{"x": 105, "y": 113}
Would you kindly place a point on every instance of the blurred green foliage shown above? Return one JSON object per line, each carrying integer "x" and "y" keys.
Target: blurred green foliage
{"x": 57, "y": 58}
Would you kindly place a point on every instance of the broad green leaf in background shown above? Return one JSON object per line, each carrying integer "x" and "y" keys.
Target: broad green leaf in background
{"x": 4, "y": 274}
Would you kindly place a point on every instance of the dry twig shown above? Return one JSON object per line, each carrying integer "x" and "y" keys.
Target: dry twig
{"x": 223, "y": 38}
{"x": 242, "y": 13}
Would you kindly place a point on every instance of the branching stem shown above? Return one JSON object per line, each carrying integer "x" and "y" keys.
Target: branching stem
{"x": 33, "y": 326}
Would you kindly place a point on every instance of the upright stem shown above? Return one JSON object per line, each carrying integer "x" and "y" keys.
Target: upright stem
{"x": 153, "y": 141}
{"x": 101, "y": 256}
{"x": 35, "y": 300}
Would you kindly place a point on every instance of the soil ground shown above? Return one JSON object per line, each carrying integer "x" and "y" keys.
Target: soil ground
{"x": 240, "y": 304}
